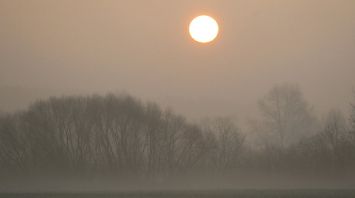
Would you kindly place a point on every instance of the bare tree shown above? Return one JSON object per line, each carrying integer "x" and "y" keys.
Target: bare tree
{"x": 334, "y": 131}
{"x": 286, "y": 116}
{"x": 226, "y": 141}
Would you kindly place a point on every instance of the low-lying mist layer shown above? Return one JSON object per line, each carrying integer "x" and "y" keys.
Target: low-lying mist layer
{"x": 121, "y": 139}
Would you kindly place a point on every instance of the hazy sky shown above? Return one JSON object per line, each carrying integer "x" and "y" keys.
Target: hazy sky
{"x": 143, "y": 48}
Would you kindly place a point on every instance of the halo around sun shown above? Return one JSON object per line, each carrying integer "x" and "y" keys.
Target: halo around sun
{"x": 203, "y": 29}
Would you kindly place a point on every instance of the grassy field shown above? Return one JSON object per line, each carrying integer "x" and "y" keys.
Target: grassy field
{"x": 196, "y": 194}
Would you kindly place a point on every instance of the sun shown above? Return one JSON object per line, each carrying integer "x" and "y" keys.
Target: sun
{"x": 203, "y": 29}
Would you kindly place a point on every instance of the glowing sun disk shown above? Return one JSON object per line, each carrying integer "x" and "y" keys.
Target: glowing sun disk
{"x": 203, "y": 29}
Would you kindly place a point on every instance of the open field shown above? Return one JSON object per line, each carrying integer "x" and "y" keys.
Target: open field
{"x": 196, "y": 194}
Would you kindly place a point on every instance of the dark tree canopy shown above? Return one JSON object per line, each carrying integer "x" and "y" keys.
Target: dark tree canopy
{"x": 123, "y": 137}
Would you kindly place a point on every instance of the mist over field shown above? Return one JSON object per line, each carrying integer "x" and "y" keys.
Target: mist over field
{"x": 115, "y": 96}
{"x": 118, "y": 142}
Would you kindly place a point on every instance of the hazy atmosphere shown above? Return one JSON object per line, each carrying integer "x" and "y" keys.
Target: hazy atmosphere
{"x": 142, "y": 48}
{"x": 203, "y": 98}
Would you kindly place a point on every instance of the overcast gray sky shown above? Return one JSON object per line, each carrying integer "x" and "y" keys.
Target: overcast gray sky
{"x": 51, "y": 47}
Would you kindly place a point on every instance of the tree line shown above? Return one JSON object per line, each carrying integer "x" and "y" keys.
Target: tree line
{"x": 121, "y": 136}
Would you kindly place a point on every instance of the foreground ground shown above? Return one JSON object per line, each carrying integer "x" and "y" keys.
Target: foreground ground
{"x": 196, "y": 194}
